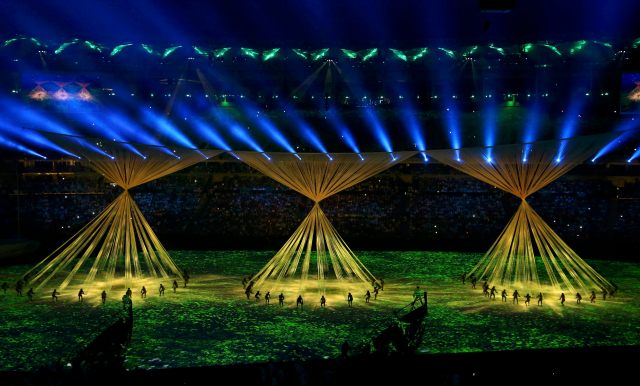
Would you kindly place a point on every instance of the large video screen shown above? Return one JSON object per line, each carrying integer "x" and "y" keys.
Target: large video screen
{"x": 630, "y": 93}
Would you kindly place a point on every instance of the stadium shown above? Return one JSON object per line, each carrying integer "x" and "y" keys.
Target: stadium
{"x": 302, "y": 193}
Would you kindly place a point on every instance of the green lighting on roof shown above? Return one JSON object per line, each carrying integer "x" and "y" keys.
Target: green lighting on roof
{"x": 608, "y": 45}
{"x": 349, "y": 54}
{"x": 220, "y": 52}
{"x": 301, "y": 53}
{"x": 64, "y": 46}
{"x": 170, "y": 51}
{"x": 636, "y": 43}
{"x": 319, "y": 54}
{"x": 499, "y": 49}
{"x": 149, "y": 49}
{"x": 269, "y": 54}
{"x": 449, "y": 53}
{"x": 398, "y": 54}
{"x": 249, "y": 52}
{"x": 200, "y": 51}
{"x": 10, "y": 41}
{"x": 369, "y": 54}
{"x": 554, "y": 49}
{"x": 36, "y": 42}
{"x": 470, "y": 51}
{"x": 116, "y": 50}
{"x": 527, "y": 47}
{"x": 579, "y": 45}
{"x": 419, "y": 53}
{"x": 92, "y": 46}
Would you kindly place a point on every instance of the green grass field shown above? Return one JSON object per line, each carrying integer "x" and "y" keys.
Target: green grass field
{"x": 211, "y": 322}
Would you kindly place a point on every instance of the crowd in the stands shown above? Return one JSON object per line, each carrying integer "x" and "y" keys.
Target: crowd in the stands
{"x": 413, "y": 203}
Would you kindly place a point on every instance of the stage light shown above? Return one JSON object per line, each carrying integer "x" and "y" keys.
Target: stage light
{"x": 64, "y": 46}
{"x": 10, "y": 41}
{"x": 200, "y": 51}
{"x": 169, "y": 51}
{"x": 498, "y": 49}
{"x": 11, "y": 144}
{"x": 319, "y": 54}
{"x": 163, "y": 125}
{"x": 92, "y": 46}
{"x": 117, "y": 49}
{"x": 301, "y": 53}
{"x": 449, "y": 53}
{"x": 399, "y": 54}
{"x": 218, "y": 53}
{"x": 419, "y": 53}
{"x": 378, "y": 129}
{"x": 269, "y": 54}
{"x": 148, "y": 49}
{"x": 369, "y": 54}
{"x": 249, "y": 52}
{"x": 578, "y": 46}
{"x": 553, "y": 48}
{"x": 349, "y": 54}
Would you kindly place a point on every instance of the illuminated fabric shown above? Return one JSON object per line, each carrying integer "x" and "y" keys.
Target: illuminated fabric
{"x": 317, "y": 177}
{"x": 119, "y": 242}
{"x": 522, "y": 170}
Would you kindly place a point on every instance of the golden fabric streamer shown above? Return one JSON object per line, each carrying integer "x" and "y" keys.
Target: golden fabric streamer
{"x": 119, "y": 242}
{"x": 523, "y": 170}
{"x": 316, "y": 241}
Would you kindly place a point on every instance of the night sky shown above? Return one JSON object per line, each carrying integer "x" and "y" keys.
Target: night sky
{"x": 351, "y": 23}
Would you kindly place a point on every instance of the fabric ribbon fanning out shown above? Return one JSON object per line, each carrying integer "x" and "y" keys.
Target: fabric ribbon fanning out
{"x": 522, "y": 170}
{"x": 316, "y": 242}
{"x": 119, "y": 242}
